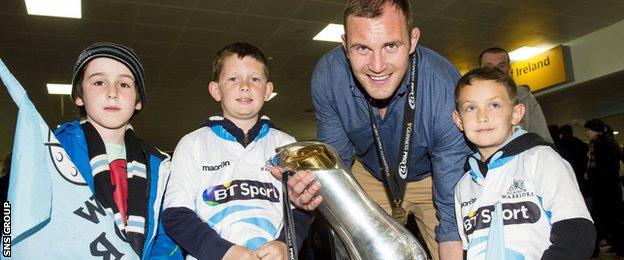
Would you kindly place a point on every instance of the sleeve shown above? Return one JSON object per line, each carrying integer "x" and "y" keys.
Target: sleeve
{"x": 571, "y": 239}
{"x": 164, "y": 247}
{"x": 555, "y": 185}
{"x": 179, "y": 218}
{"x": 195, "y": 236}
{"x": 329, "y": 128}
{"x": 459, "y": 219}
{"x": 447, "y": 155}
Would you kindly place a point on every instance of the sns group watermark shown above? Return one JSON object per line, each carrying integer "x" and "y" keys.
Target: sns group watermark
{"x": 6, "y": 229}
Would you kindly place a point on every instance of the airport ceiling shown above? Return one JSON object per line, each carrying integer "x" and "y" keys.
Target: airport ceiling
{"x": 177, "y": 40}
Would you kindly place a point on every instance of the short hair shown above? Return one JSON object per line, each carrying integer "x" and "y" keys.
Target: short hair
{"x": 493, "y": 50}
{"x": 485, "y": 74}
{"x": 242, "y": 50}
{"x": 374, "y": 9}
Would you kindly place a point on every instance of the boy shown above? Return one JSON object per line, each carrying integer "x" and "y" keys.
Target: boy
{"x": 221, "y": 201}
{"x": 518, "y": 199}
{"x": 127, "y": 176}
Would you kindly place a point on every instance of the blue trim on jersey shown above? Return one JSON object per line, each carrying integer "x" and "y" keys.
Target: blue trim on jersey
{"x": 263, "y": 131}
{"x": 548, "y": 213}
{"x": 221, "y": 132}
{"x": 500, "y": 162}
{"x": 219, "y": 216}
{"x": 255, "y": 243}
{"x": 262, "y": 223}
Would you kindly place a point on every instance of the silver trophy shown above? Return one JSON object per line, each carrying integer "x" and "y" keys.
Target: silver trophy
{"x": 367, "y": 231}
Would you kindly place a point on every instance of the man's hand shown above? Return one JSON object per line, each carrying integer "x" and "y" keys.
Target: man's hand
{"x": 274, "y": 250}
{"x": 302, "y": 189}
{"x": 238, "y": 252}
{"x": 451, "y": 250}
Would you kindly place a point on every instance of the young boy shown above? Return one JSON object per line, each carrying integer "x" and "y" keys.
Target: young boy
{"x": 127, "y": 176}
{"x": 519, "y": 198}
{"x": 221, "y": 201}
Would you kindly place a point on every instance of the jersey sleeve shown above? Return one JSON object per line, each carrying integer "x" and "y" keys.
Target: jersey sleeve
{"x": 556, "y": 187}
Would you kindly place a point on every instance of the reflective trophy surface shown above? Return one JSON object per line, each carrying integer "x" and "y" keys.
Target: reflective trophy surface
{"x": 367, "y": 231}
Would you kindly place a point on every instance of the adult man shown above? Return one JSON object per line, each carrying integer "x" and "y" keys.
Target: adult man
{"x": 369, "y": 77}
{"x": 534, "y": 120}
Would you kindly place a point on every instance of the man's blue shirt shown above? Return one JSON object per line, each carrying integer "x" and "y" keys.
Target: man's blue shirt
{"x": 437, "y": 145}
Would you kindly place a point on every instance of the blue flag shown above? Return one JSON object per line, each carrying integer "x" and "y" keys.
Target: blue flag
{"x": 495, "y": 248}
{"x": 54, "y": 213}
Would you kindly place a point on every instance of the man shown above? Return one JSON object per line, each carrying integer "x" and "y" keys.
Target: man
{"x": 369, "y": 77}
{"x": 534, "y": 120}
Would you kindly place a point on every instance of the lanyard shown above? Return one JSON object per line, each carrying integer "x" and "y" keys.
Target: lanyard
{"x": 396, "y": 181}
{"x": 289, "y": 223}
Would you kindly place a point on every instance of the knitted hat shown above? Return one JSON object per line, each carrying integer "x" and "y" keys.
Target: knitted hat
{"x": 114, "y": 51}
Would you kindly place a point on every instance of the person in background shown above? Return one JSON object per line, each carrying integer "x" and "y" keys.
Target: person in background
{"x": 603, "y": 170}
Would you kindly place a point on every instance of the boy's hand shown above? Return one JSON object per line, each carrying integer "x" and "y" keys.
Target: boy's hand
{"x": 302, "y": 189}
{"x": 274, "y": 250}
{"x": 238, "y": 252}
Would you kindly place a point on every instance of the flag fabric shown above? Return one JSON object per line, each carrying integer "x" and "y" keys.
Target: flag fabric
{"x": 54, "y": 212}
{"x": 495, "y": 248}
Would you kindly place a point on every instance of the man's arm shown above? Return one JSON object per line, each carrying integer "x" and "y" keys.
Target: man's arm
{"x": 448, "y": 155}
{"x": 329, "y": 126}
{"x": 302, "y": 189}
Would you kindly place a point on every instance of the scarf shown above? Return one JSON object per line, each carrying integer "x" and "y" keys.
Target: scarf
{"x": 114, "y": 191}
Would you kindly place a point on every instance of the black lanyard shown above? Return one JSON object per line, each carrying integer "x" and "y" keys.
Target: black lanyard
{"x": 396, "y": 182}
{"x": 289, "y": 223}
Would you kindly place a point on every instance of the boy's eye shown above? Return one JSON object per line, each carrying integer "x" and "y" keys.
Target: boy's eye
{"x": 231, "y": 79}
{"x": 125, "y": 85}
{"x": 495, "y": 105}
{"x": 469, "y": 108}
{"x": 98, "y": 83}
{"x": 256, "y": 79}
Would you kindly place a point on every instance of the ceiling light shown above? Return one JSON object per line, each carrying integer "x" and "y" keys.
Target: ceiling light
{"x": 59, "y": 89}
{"x": 57, "y": 8}
{"x": 616, "y": 132}
{"x": 525, "y": 52}
{"x": 272, "y": 95}
{"x": 331, "y": 33}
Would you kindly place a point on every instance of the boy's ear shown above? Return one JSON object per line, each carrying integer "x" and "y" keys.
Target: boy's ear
{"x": 518, "y": 113}
{"x": 78, "y": 101}
{"x": 268, "y": 90}
{"x": 213, "y": 88}
{"x": 138, "y": 106}
{"x": 457, "y": 120}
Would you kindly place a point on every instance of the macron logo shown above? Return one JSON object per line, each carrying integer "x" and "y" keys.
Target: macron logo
{"x": 217, "y": 167}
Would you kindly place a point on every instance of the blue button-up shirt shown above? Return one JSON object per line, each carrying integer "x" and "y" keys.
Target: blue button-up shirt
{"x": 437, "y": 149}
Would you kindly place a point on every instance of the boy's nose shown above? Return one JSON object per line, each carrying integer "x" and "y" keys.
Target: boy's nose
{"x": 482, "y": 117}
{"x": 244, "y": 87}
{"x": 112, "y": 93}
